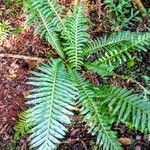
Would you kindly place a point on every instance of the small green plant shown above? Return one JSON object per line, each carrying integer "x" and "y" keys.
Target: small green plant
{"x": 59, "y": 85}
{"x": 11, "y": 2}
{"x": 122, "y": 13}
{"x": 4, "y": 31}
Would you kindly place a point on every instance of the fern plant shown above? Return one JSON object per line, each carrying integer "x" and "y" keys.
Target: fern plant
{"x": 59, "y": 85}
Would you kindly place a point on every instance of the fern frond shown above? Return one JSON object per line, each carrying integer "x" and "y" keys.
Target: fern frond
{"x": 22, "y": 126}
{"x": 76, "y": 35}
{"x": 46, "y": 15}
{"x": 50, "y": 10}
{"x": 101, "y": 69}
{"x": 93, "y": 115}
{"x": 119, "y": 52}
{"x": 127, "y": 106}
{"x": 116, "y": 56}
{"x": 100, "y": 124}
{"x": 52, "y": 100}
{"x": 114, "y": 40}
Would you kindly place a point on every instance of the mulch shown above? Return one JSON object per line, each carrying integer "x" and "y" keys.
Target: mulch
{"x": 12, "y": 97}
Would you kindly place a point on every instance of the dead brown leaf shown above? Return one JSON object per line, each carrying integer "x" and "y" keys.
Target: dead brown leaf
{"x": 125, "y": 141}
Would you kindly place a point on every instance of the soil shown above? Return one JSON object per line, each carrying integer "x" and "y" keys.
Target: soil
{"x": 13, "y": 87}
{"x": 12, "y": 97}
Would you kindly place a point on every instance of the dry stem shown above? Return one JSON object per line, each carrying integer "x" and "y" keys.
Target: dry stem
{"x": 22, "y": 57}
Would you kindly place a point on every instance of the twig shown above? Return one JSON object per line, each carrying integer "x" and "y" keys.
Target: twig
{"x": 22, "y": 57}
{"x": 85, "y": 147}
{"x": 141, "y": 86}
{"x": 133, "y": 81}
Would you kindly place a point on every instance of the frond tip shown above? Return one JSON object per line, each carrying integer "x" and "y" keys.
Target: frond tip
{"x": 52, "y": 100}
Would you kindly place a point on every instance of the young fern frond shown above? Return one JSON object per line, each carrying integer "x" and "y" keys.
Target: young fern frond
{"x": 93, "y": 115}
{"x": 46, "y": 15}
{"x": 75, "y": 34}
{"x": 23, "y": 126}
{"x": 127, "y": 106}
{"x": 52, "y": 100}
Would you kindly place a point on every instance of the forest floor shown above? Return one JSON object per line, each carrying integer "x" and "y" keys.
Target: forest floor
{"x": 13, "y": 87}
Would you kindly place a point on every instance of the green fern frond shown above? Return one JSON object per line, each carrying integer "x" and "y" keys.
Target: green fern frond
{"x": 127, "y": 106}
{"x": 117, "y": 49}
{"x": 114, "y": 40}
{"x": 46, "y": 14}
{"x": 76, "y": 36}
{"x": 100, "y": 124}
{"x": 93, "y": 115}
{"x": 50, "y": 10}
{"x": 101, "y": 69}
{"x": 52, "y": 100}
{"x": 23, "y": 126}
